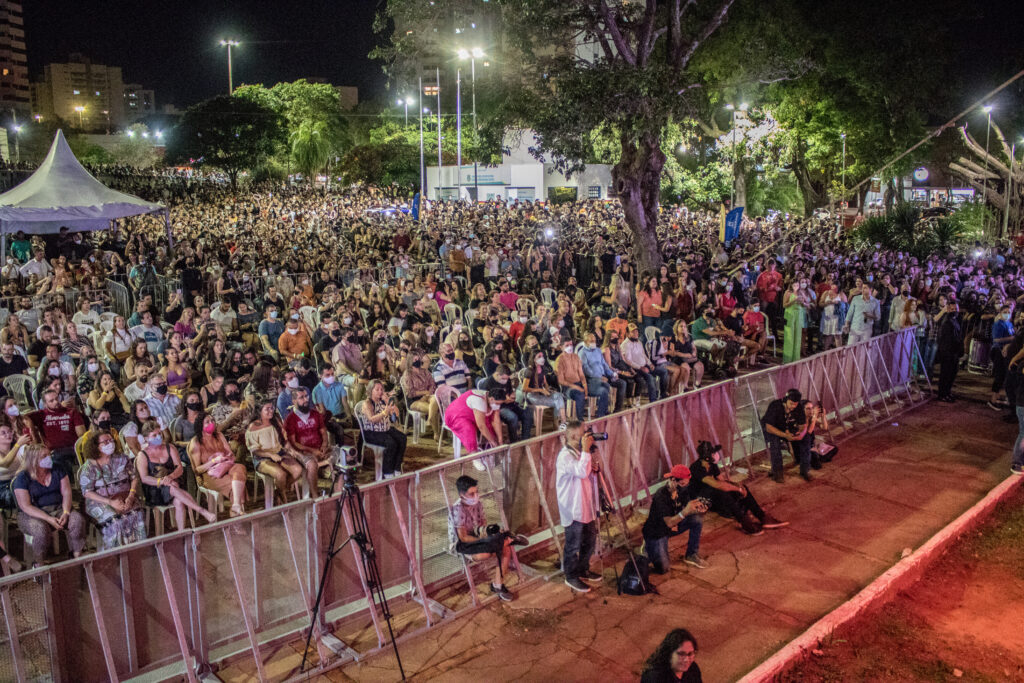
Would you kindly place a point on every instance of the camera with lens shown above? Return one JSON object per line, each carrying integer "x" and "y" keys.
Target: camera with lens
{"x": 343, "y": 462}
{"x": 597, "y": 436}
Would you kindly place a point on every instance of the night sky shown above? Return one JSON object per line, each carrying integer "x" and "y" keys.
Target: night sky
{"x": 172, "y": 47}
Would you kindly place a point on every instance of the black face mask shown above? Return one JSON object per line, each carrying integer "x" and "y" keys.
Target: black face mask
{"x": 195, "y": 406}
{"x": 449, "y": 356}
{"x": 103, "y": 424}
{"x": 162, "y": 390}
{"x": 232, "y": 396}
{"x": 417, "y": 363}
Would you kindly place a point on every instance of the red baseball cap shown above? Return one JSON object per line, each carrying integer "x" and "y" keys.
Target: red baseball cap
{"x": 678, "y": 472}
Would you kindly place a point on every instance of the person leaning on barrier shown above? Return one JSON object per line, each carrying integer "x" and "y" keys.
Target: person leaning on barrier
{"x": 673, "y": 511}
{"x": 783, "y": 421}
{"x": 469, "y": 536}
{"x": 576, "y": 491}
{"x": 728, "y": 498}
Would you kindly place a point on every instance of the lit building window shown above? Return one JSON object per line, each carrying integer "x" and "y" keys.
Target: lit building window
{"x": 75, "y": 92}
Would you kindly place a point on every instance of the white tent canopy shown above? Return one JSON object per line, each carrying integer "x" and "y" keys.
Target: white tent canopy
{"x": 61, "y": 193}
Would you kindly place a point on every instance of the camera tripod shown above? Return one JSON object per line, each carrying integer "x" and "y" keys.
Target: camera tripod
{"x": 352, "y": 498}
{"x": 609, "y": 505}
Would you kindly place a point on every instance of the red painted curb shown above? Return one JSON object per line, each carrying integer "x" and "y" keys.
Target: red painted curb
{"x": 900, "y": 576}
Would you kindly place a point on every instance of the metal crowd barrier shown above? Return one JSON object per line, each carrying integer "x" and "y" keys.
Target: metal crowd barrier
{"x": 186, "y": 603}
{"x": 120, "y": 298}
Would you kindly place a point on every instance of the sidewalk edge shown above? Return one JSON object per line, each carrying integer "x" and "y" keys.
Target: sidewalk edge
{"x": 900, "y": 576}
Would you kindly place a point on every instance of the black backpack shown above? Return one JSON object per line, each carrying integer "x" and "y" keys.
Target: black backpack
{"x": 634, "y": 577}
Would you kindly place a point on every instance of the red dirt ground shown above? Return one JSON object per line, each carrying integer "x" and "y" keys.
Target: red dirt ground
{"x": 963, "y": 621}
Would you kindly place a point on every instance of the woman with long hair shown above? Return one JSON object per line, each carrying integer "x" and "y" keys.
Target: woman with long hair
{"x": 107, "y": 481}
{"x": 162, "y": 475}
{"x": 43, "y": 493}
{"x": 214, "y": 464}
{"x": 674, "y": 661}
{"x": 270, "y": 451}
{"x": 649, "y": 303}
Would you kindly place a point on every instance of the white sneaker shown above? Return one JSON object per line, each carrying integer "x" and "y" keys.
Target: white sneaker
{"x": 479, "y": 465}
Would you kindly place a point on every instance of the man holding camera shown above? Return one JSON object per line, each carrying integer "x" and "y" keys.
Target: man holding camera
{"x": 783, "y": 421}
{"x": 673, "y": 511}
{"x": 470, "y": 537}
{"x": 578, "y": 508}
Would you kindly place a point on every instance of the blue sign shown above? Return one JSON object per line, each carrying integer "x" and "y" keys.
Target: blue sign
{"x": 416, "y": 207}
{"x": 732, "y": 223}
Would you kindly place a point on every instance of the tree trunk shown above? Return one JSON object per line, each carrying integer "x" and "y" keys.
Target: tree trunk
{"x": 812, "y": 192}
{"x": 890, "y": 195}
{"x": 740, "y": 178}
{"x": 637, "y": 181}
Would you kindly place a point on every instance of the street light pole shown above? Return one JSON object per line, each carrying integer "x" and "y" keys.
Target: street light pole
{"x": 984, "y": 192}
{"x": 843, "y": 136}
{"x": 229, "y": 44}
{"x": 439, "y": 167}
{"x": 458, "y": 129}
{"x": 422, "y": 167}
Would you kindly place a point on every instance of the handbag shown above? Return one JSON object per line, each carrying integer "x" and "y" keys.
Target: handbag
{"x": 634, "y": 579}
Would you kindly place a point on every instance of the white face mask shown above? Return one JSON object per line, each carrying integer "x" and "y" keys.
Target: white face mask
{"x": 46, "y": 462}
{"x": 13, "y": 411}
{"x": 328, "y": 380}
{"x": 567, "y": 349}
{"x": 54, "y": 371}
{"x": 471, "y": 500}
{"x": 107, "y": 448}
{"x": 293, "y": 383}
{"x": 539, "y": 360}
{"x": 382, "y": 354}
{"x": 93, "y": 367}
{"x": 293, "y": 330}
{"x": 495, "y": 406}
{"x": 347, "y": 321}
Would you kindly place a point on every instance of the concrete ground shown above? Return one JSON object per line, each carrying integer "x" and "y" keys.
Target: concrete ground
{"x": 889, "y": 489}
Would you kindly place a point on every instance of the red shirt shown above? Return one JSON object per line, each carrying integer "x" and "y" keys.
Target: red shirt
{"x": 726, "y": 302}
{"x": 753, "y": 322}
{"x": 305, "y": 432}
{"x": 769, "y": 283}
{"x": 58, "y": 426}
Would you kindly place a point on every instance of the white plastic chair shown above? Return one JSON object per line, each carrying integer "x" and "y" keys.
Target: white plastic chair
{"x": 445, "y": 395}
{"x": 21, "y": 388}
{"x": 378, "y": 451}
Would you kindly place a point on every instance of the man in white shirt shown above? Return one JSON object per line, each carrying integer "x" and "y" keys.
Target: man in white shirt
{"x": 864, "y": 311}
{"x": 576, "y": 491}
{"x": 226, "y": 318}
{"x": 36, "y": 266}
{"x": 150, "y": 332}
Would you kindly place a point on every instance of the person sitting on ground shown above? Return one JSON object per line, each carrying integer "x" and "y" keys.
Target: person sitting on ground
{"x": 674, "y": 661}
{"x": 673, "y": 511}
{"x": 468, "y": 535}
{"x": 727, "y": 497}
{"x": 108, "y": 484}
{"x": 43, "y": 492}
{"x": 162, "y": 475}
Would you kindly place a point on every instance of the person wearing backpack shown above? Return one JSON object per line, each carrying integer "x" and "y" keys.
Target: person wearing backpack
{"x": 672, "y": 513}
{"x": 468, "y": 535}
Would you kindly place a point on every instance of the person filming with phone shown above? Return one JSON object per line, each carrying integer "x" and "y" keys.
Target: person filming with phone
{"x": 673, "y": 511}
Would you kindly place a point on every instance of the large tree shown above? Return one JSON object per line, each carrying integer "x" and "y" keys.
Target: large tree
{"x": 586, "y": 65}
{"x": 231, "y": 133}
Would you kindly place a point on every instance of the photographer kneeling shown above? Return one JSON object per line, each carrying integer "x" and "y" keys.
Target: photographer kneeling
{"x": 673, "y": 512}
{"x": 727, "y": 498}
{"x": 470, "y": 537}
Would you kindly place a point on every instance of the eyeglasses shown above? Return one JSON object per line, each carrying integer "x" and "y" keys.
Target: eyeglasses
{"x": 686, "y": 655}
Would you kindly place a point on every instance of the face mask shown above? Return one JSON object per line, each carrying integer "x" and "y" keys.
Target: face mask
{"x": 46, "y": 462}
{"x": 273, "y": 315}
{"x": 417, "y": 363}
{"x": 495, "y": 406}
{"x": 103, "y": 424}
{"x": 154, "y": 439}
{"x": 107, "y": 448}
{"x": 208, "y": 428}
{"x": 567, "y": 349}
{"x": 293, "y": 383}
{"x": 328, "y": 380}
{"x": 194, "y": 405}
{"x": 162, "y": 390}
{"x": 232, "y": 396}
{"x": 294, "y": 330}
{"x": 592, "y": 346}
{"x": 803, "y": 285}
{"x": 54, "y": 371}
{"x": 449, "y": 356}
{"x": 382, "y": 354}
{"x": 93, "y": 367}
{"x": 539, "y": 360}
{"x": 471, "y": 500}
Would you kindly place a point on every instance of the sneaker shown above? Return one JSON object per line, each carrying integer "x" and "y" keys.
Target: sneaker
{"x": 577, "y": 585}
{"x": 503, "y": 593}
{"x": 696, "y": 561}
{"x": 1017, "y": 469}
{"x": 479, "y": 465}
{"x": 806, "y": 476}
{"x": 591, "y": 577}
{"x": 995, "y": 406}
{"x": 750, "y": 525}
{"x": 770, "y": 522}
{"x": 519, "y": 539}
{"x": 777, "y": 477}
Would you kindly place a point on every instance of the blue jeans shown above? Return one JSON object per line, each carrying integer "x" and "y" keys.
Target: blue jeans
{"x": 580, "y": 399}
{"x": 928, "y": 352}
{"x": 580, "y": 540}
{"x": 661, "y": 372}
{"x": 651, "y": 380}
{"x": 1018, "y": 445}
{"x": 600, "y": 390}
{"x": 801, "y": 452}
{"x": 657, "y": 548}
{"x": 518, "y": 420}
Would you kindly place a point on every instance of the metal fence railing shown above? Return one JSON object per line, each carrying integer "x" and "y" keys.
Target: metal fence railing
{"x": 184, "y": 602}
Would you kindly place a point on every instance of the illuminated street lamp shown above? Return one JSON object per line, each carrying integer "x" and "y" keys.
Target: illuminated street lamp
{"x": 405, "y": 102}
{"x": 988, "y": 131}
{"x": 229, "y": 44}
{"x": 472, "y": 55}
{"x": 17, "y": 143}
{"x": 80, "y": 109}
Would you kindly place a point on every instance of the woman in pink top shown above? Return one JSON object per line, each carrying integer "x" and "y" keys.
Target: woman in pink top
{"x": 473, "y": 413}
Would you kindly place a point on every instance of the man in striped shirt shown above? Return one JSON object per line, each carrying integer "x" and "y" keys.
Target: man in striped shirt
{"x": 450, "y": 370}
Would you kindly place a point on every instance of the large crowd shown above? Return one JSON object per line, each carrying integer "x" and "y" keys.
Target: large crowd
{"x": 287, "y": 321}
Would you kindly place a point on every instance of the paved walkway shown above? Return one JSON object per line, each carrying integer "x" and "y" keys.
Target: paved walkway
{"x": 888, "y": 489}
